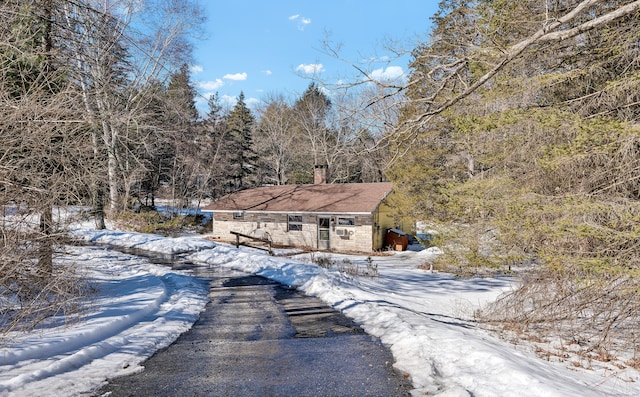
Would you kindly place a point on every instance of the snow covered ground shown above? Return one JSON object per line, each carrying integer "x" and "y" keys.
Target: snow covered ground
{"x": 425, "y": 318}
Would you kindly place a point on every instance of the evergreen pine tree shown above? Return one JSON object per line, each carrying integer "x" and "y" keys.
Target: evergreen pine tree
{"x": 242, "y": 154}
{"x": 181, "y": 96}
{"x": 181, "y": 136}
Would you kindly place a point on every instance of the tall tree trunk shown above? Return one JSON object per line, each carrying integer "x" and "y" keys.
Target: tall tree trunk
{"x": 109, "y": 138}
{"x": 45, "y": 254}
{"x": 98, "y": 205}
{"x": 97, "y": 185}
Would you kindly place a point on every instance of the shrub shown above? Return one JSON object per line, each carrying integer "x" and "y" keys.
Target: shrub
{"x": 29, "y": 294}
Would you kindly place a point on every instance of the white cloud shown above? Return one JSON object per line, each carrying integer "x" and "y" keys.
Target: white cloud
{"x": 236, "y": 76}
{"x": 268, "y": 73}
{"x": 390, "y": 74}
{"x": 252, "y": 102}
{"x": 195, "y": 69}
{"x": 313, "y": 68}
{"x": 301, "y": 22}
{"x": 228, "y": 100}
{"x": 232, "y": 100}
{"x": 210, "y": 85}
{"x": 326, "y": 91}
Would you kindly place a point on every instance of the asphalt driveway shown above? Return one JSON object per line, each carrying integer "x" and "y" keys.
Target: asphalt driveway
{"x": 258, "y": 338}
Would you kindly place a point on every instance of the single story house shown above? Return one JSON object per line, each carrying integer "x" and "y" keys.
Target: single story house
{"x": 319, "y": 216}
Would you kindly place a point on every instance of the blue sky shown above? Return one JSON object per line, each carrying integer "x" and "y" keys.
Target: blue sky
{"x": 274, "y": 47}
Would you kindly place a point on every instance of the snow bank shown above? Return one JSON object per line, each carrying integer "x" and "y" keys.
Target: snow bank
{"x": 139, "y": 308}
{"x": 425, "y": 318}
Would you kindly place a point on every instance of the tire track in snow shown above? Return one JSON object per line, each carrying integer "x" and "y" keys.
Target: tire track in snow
{"x": 88, "y": 346}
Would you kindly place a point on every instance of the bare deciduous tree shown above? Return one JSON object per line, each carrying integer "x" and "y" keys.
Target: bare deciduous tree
{"x": 274, "y": 140}
{"x": 121, "y": 49}
{"x": 41, "y": 166}
{"x": 77, "y": 85}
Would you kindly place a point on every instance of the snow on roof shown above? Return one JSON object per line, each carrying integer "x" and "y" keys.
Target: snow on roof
{"x": 344, "y": 197}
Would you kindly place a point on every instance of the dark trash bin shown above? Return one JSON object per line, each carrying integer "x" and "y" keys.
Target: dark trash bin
{"x": 397, "y": 239}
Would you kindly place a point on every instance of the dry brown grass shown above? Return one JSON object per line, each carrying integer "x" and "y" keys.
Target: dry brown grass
{"x": 595, "y": 318}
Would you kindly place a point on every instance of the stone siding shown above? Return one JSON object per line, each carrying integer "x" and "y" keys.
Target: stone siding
{"x": 356, "y": 237}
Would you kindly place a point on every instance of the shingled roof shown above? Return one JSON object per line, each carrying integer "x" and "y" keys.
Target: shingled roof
{"x": 334, "y": 198}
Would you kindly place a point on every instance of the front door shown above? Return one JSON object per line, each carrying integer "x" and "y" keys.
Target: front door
{"x": 324, "y": 225}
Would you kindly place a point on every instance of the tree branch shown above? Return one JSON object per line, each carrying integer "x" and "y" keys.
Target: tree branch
{"x": 546, "y": 34}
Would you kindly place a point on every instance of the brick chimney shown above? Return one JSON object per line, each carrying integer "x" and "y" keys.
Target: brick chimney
{"x": 319, "y": 174}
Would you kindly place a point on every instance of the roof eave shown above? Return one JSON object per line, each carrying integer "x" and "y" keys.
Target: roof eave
{"x": 295, "y": 212}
